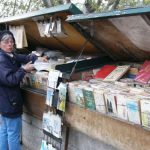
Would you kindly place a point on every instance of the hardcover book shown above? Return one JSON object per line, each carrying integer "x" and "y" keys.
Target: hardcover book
{"x": 117, "y": 73}
{"x": 104, "y": 71}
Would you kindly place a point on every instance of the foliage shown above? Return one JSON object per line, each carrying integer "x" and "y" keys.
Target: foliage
{"x": 13, "y": 7}
{"x": 107, "y": 5}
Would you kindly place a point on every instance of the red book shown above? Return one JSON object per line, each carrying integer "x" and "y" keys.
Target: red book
{"x": 144, "y": 74}
{"x": 105, "y": 71}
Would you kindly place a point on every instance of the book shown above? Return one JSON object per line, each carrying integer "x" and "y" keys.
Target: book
{"x": 111, "y": 103}
{"x": 79, "y": 96}
{"x": 144, "y": 74}
{"x": 49, "y": 96}
{"x": 89, "y": 98}
{"x": 104, "y": 71}
{"x": 133, "y": 109}
{"x": 41, "y": 28}
{"x": 46, "y": 146}
{"x": 62, "y": 96}
{"x": 52, "y": 124}
{"x": 122, "y": 107}
{"x": 55, "y": 98}
{"x": 117, "y": 73}
{"x": 53, "y": 78}
{"x": 56, "y": 125}
{"x": 71, "y": 91}
{"x": 99, "y": 100}
{"x": 19, "y": 35}
{"x": 145, "y": 112}
{"x": 47, "y": 122}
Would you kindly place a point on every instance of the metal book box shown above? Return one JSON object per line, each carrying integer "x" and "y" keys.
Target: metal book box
{"x": 71, "y": 41}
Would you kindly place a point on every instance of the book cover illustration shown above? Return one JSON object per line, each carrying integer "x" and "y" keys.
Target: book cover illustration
{"x": 62, "y": 97}
{"x": 144, "y": 74}
{"x": 133, "y": 110}
{"x": 79, "y": 96}
{"x": 117, "y": 73}
{"x": 89, "y": 98}
{"x": 111, "y": 103}
{"x": 145, "y": 112}
{"x": 49, "y": 96}
{"x": 52, "y": 124}
{"x": 47, "y": 124}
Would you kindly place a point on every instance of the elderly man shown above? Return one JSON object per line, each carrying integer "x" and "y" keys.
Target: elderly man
{"x": 11, "y": 74}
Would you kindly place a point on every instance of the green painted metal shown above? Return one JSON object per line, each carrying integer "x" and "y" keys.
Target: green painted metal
{"x": 111, "y": 14}
{"x": 70, "y": 8}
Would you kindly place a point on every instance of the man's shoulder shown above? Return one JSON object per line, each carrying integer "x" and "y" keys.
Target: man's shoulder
{"x": 3, "y": 57}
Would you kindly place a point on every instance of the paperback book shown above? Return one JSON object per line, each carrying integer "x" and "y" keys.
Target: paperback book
{"x": 79, "y": 96}
{"x": 145, "y": 112}
{"x": 62, "y": 97}
{"x": 89, "y": 98}
{"x": 133, "y": 110}
{"x": 117, "y": 73}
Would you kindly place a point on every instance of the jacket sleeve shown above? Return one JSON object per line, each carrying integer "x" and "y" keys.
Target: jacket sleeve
{"x": 9, "y": 77}
{"x": 23, "y": 59}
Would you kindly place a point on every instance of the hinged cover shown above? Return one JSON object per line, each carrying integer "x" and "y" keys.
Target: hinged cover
{"x": 123, "y": 35}
{"x": 73, "y": 40}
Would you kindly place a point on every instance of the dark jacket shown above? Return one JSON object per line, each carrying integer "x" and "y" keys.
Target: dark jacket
{"x": 11, "y": 74}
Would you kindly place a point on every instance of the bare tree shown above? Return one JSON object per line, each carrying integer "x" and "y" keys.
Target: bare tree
{"x": 112, "y": 4}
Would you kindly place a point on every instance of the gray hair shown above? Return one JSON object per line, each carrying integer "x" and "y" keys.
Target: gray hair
{"x": 7, "y": 36}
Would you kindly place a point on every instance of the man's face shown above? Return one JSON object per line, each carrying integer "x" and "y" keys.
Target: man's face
{"x": 7, "y": 43}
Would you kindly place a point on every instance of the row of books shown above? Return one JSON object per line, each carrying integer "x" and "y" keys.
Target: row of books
{"x": 140, "y": 73}
{"x": 53, "y": 27}
{"x": 128, "y": 103}
{"x": 37, "y": 80}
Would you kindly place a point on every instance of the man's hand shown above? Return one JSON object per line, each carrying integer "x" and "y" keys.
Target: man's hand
{"x": 44, "y": 58}
{"x": 28, "y": 67}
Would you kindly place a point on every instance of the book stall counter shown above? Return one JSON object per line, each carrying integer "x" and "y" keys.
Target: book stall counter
{"x": 97, "y": 76}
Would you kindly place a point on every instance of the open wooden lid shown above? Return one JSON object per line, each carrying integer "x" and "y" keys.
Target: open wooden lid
{"x": 123, "y": 35}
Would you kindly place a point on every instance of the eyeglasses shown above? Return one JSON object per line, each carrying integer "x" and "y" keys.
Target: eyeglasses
{"x": 8, "y": 41}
